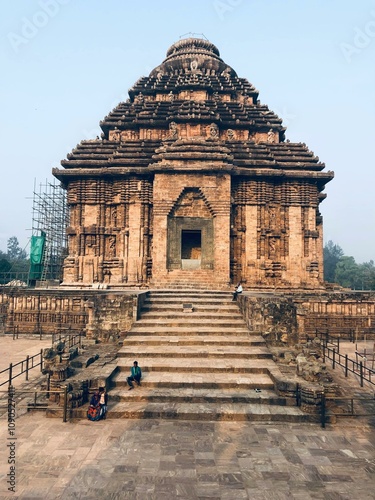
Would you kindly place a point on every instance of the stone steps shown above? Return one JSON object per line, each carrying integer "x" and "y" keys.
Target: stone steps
{"x": 203, "y": 411}
{"x": 194, "y": 353}
{"x": 158, "y": 376}
{"x": 204, "y": 364}
{"x": 190, "y": 322}
{"x": 170, "y": 299}
{"x": 197, "y": 308}
{"x": 167, "y": 314}
{"x": 195, "y": 395}
{"x": 139, "y": 329}
{"x": 197, "y": 340}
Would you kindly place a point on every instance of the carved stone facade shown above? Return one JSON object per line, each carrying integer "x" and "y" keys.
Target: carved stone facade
{"x": 97, "y": 314}
{"x": 193, "y": 182}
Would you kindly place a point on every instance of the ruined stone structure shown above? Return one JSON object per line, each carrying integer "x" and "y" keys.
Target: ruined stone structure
{"x": 193, "y": 182}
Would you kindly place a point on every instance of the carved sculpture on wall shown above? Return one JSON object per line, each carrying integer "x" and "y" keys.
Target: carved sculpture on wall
{"x": 194, "y": 65}
{"x": 114, "y": 216}
{"x": 90, "y": 244}
{"x": 112, "y": 246}
{"x": 129, "y": 135}
{"x": 214, "y": 131}
{"x": 116, "y": 135}
{"x": 231, "y": 135}
{"x": 173, "y": 132}
{"x": 271, "y": 136}
{"x": 273, "y": 247}
{"x": 139, "y": 99}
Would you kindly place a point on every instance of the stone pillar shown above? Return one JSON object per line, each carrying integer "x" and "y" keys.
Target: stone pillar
{"x": 295, "y": 273}
{"x": 134, "y": 251}
{"x": 251, "y": 244}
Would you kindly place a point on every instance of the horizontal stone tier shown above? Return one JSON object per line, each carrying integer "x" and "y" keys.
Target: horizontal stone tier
{"x": 193, "y": 395}
{"x": 172, "y": 82}
{"x": 133, "y": 154}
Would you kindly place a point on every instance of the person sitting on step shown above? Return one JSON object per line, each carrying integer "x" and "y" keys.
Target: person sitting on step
{"x": 135, "y": 375}
{"x": 103, "y": 402}
{"x": 237, "y": 290}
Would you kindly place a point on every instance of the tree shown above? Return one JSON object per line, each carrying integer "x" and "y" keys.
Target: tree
{"x": 5, "y": 267}
{"x": 367, "y": 275}
{"x": 332, "y": 253}
{"x": 15, "y": 252}
{"x": 348, "y": 273}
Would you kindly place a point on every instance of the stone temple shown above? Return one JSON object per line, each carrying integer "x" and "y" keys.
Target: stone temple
{"x": 191, "y": 188}
{"x": 192, "y": 183}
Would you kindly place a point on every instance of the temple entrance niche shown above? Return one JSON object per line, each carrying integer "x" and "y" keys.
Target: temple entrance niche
{"x": 190, "y": 233}
{"x": 191, "y": 249}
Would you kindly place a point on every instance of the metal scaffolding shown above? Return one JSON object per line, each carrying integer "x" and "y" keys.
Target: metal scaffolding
{"x": 49, "y": 223}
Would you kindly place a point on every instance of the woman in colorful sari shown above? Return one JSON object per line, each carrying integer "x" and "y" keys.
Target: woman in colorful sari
{"x": 93, "y": 413}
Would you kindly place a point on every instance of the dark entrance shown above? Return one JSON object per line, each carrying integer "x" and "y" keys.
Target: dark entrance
{"x": 191, "y": 249}
{"x": 191, "y": 244}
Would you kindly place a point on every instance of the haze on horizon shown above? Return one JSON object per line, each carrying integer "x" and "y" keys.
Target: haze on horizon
{"x": 67, "y": 63}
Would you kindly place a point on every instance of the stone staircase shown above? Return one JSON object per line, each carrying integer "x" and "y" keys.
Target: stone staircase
{"x": 199, "y": 361}
{"x": 184, "y": 279}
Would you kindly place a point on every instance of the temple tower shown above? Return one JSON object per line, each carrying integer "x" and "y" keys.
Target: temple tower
{"x": 192, "y": 181}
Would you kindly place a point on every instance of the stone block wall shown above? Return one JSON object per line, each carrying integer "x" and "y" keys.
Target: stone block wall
{"x": 98, "y": 314}
{"x": 290, "y": 318}
{"x": 339, "y": 313}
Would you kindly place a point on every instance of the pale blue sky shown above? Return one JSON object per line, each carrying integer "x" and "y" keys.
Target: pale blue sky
{"x": 66, "y": 63}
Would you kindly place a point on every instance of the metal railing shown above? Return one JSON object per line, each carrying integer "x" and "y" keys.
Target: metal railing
{"x": 35, "y": 405}
{"x": 36, "y": 360}
{"x": 24, "y": 367}
{"x": 358, "y": 368}
{"x": 346, "y": 407}
{"x": 70, "y": 340}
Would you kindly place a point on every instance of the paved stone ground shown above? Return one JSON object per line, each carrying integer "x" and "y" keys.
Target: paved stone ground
{"x": 13, "y": 351}
{"x": 167, "y": 459}
{"x": 155, "y": 459}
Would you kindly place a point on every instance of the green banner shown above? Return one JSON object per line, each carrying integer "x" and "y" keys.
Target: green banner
{"x": 36, "y": 250}
{"x": 36, "y": 256}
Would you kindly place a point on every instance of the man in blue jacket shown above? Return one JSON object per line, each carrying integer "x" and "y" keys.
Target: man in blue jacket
{"x": 135, "y": 375}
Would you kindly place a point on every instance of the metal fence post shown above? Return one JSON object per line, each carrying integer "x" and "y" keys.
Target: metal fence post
{"x": 333, "y": 359}
{"x": 41, "y": 360}
{"x": 361, "y": 372}
{"x": 10, "y": 374}
{"x": 65, "y": 409}
{"x": 27, "y": 367}
{"x": 346, "y": 365}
